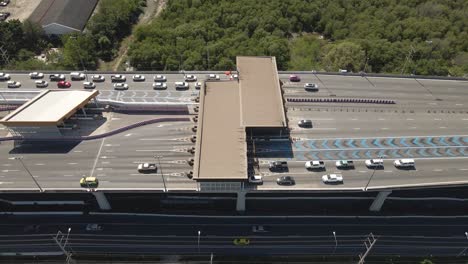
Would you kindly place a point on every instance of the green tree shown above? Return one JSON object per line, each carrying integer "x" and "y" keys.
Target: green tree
{"x": 345, "y": 55}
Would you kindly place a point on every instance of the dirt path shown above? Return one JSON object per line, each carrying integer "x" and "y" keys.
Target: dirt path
{"x": 152, "y": 10}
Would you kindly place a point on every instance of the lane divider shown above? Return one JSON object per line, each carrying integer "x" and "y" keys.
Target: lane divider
{"x": 340, "y": 100}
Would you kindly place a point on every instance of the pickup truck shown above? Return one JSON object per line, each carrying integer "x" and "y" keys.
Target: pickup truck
{"x": 344, "y": 164}
{"x": 315, "y": 164}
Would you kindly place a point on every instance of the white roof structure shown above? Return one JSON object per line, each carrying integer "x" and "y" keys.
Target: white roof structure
{"x": 48, "y": 108}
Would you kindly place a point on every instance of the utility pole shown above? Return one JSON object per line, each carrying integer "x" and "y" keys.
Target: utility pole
{"x": 161, "y": 171}
{"x": 370, "y": 178}
{"x": 20, "y": 158}
{"x": 199, "y": 233}
{"x": 408, "y": 58}
{"x": 369, "y": 243}
{"x": 58, "y": 238}
{"x": 336, "y": 242}
{"x": 464, "y": 250}
{"x": 4, "y": 54}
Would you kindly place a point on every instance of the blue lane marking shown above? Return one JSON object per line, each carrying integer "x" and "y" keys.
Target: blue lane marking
{"x": 429, "y": 141}
{"x": 389, "y": 142}
{"x": 311, "y": 144}
{"x": 448, "y": 151}
{"x": 408, "y": 153}
{"x": 351, "y": 143}
{"x": 299, "y": 156}
{"x": 403, "y": 142}
{"x": 394, "y": 153}
{"x": 465, "y": 139}
{"x": 368, "y": 154}
{"x": 315, "y": 157}
{"x": 355, "y": 154}
{"x": 415, "y": 141}
{"x": 443, "y": 142}
{"x": 342, "y": 155}
{"x": 327, "y": 155}
{"x": 363, "y": 143}
{"x": 462, "y": 151}
{"x": 422, "y": 152}
{"x": 381, "y": 153}
{"x": 456, "y": 140}
{"x": 337, "y": 144}
{"x": 435, "y": 152}
{"x": 376, "y": 142}
{"x": 324, "y": 144}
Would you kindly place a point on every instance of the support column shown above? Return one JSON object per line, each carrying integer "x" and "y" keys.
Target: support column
{"x": 240, "y": 204}
{"x": 379, "y": 201}
{"x": 102, "y": 201}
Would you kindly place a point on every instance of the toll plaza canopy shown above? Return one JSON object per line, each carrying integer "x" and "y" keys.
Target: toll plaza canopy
{"x": 49, "y": 108}
{"x": 227, "y": 108}
{"x": 260, "y": 92}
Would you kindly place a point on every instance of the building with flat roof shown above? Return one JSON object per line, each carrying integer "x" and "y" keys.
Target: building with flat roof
{"x": 41, "y": 116}
{"x": 233, "y": 112}
{"x": 59, "y": 17}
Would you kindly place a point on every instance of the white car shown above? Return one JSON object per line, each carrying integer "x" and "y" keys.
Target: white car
{"x": 159, "y": 86}
{"x": 147, "y": 167}
{"x": 4, "y": 76}
{"x": 190, "y": 78}
{"x": 138, "y": 78}
{"x": 57, "y": 77}
{"x": 41, "y": 84}
{"x": 93, "y": 227}
{"x": 36, "y": 75}
{"x": 212, "y": 77}
{"x": 315, "y": 164}
{"x": 98, "y": 78}
{"x": 77, "y": 76}
{"x": 160, "y": 78}
{"x": 311, "y": 87}
{"x": 13, "y": 84}
{"x": 89, "y": 85}
{"x": 373, "y": 163}
{"x": 120, "y": 86}
{"x": 332, "y": 178}
{"x": 404, "y": 163}
{"x": 259, "y": 229}
{"x": 118, "y": 78}
{"x": 181, "y": 85}
{"x": 257, "y": 179}
{"x": 198, "y": 85}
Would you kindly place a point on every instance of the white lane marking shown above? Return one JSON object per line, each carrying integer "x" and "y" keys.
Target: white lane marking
{"x": 97, "y": 157}
{"x": 465, "y": 119}
{"x": 412, "y": 127}
{"x": 77, "y": 151}
{"x": 109, "y": 151}
{"x": 105, "y": 162}
{"x": 362, "y": 171}
{"x": 384, "y": 137}
{"x": 357, "y": 128}
{"x": 437, "y": 119}
{"x": 437, "y": 170}
{"x": 156, "y": 139}
{"x": 409, "y": 119}
{"x": 9, "y": 170}
{"x": 442, "y": 127}
{"x": 154, "y": 150}
{"x": 116, "y": 118}
{"x": 387, "y": 171}
{"x": 381, "y": 119}
{"x": 432, "y": 103}
{"x": 459, "y": 104}
{"x": 7, "y": 164}
{"x": 384, "y": 128}
{"x": 6, "y": 182}
{"x": 463, "y": 169}
{"x": 67, "y": 175}
{"x": 325, "y": 128}
{"x": 129, "y": 134}
{"x": 72, "y": 163}
{"x": 112, "y": 145}
{"x": 39, "y": 164}
{"x": 354, "y": 119}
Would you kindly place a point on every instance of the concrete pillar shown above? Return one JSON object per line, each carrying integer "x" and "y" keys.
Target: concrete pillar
{"x": 102, "y": 201}
{"x": 379, "y": 201}
{"x": 240, "y": 204}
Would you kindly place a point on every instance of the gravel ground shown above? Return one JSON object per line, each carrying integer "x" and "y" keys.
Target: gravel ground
{"x": 21, "y": 9}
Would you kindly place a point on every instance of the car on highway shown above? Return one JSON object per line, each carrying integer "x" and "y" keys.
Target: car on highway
{"x": 260, "y": 229}
{"x": 332, "y": 178}
{"x": 234, "y": 77}
{"x": 147, "y": 167}
{"x": 285, "y": 180}
{"x": 36, "y": 75}
{"x": 404, "y": 163}
{"x": 57, "y": 77}
{"x": 305, "y": 123}
{"x": 243, "y": 241}
{"x": 278, "y": 165}
{"x": 120, "y": 86}
{"x": 94, "y": 227}
{"x": 159, "y": 86}
{"x": 41, "y": 84}
{"x": 118, "y": 78}
{"x": 160, "y": 78}
{"x": 311, "y": 87}
{"x": 77, "y": 76}
{"x": 294, "y": 78}
{"x": 374, "y": 163}
{"x": 212, "y": 77}
{"x": 190, "y": 78}
{"x": 181, "y": 85}
{"x": 89, "y": 85}
{"x": 344, "y": 164}
{"x": 198, "y": 85}
{"x": 4, "y": 2}
{"x": 98, "y": 78}
{"x": 315, "y": 165}
{"x": 89, "y": 182}
{"x": 4, "y": 76}
{"x": 13, "y": 84}
{"x": 256, "y": 179}
{"x": 64, "y": 84}
{"x": 138, "y": 78}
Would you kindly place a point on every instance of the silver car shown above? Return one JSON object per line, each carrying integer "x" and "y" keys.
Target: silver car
{"x": 41, "y": 84}
{"x": 160, "y": 78}
{"x": 120, "y": 86}
{"x": 89, "y": 85}
{"x": 159, "y": 86}
{"x": 181, "y": 85}
{"x": 98, "y": 78}
{"x": 13, "y": 84}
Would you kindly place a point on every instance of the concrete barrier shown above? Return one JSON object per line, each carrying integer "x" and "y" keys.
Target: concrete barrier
{"x": 340, "y": 100}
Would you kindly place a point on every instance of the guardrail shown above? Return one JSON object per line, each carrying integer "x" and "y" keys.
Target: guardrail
{"x": 340, "y": 100}
{"x": 107, "y": 134}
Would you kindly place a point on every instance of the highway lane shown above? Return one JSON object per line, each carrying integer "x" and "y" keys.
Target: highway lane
{"x": 286, "y": 236}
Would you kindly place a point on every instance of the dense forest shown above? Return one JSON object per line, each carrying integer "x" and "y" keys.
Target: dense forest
{"x": 426, "y": 37}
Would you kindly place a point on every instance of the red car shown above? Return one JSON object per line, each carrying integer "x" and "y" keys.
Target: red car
{"x": 63, "y": 84}
{"x": 294, "y": 78}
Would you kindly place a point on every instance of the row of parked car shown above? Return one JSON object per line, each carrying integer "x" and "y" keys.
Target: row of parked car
{"x": 281, "y": 166}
